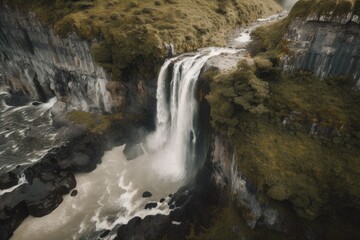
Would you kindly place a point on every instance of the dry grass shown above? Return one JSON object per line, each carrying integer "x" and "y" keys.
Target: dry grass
{"x": 132, "y": 33}
{"x": 316, "y": 174}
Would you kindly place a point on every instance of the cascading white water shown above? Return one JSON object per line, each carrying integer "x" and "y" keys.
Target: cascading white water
{"x": 168, "y": 163}
{"x": 111, "y": 194}
{"x": 176, "y": 132}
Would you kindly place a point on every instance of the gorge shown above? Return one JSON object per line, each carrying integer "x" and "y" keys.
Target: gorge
{"x": 253, "y": 141}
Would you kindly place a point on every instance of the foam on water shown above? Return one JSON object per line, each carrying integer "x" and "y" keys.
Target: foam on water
{"x": 22, "y": 180}
{"x": 26, "y": 132}
{"x": 108, "y": 196}
{"x": 112, "y": 193}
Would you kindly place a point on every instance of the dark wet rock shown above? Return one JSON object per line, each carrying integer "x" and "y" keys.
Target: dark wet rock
{"x": 11, "y": 218}
{"x": 36, "y": 103}
{"x": 74, "y": 193}
{"x": 82, "y": 154}
{"x": 171, "y": 195}
{"x": 104, "y": 234}
{"x": 53, "y": 176}
{"x": 8, "y": 180}
{"x": 150, "y": 205}
{"x": 146, "y": 194}
{"x": 180, "y": 198}
{"x": 133, "y": 151}
{"x": 43, "y": 195}
{"x": 126, "y": 231}
{"x": 162, "y": 200}
{"x": 197, "y": 199}
{"x": 151, "y": 227}
{"x": 17, "y": 99}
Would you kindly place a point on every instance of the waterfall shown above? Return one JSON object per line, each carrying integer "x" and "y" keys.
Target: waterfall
{"x": 176, "y": 132}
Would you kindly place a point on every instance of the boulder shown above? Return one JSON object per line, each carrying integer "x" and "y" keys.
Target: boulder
{"x": 146, "y": 194}
{"x": 150, "y": 205}
{"x": 8, "y": 180}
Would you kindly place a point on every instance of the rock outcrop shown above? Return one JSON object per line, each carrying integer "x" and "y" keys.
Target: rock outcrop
{"x": 324, "y": 46}
{"x": 36, "y": 62}
{"x": 47, "y": 181}
{"x": 54, "y": 176}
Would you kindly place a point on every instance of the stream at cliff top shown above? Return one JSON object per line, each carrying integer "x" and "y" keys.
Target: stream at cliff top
{"x": 111, "y": 195}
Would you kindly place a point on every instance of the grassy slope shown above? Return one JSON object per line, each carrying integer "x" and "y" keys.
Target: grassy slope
{"x": 314, "y": 173}
{"x": 133, "y": 33}
{"x": 271, "y": 36}
{"x": 317, "y": 174}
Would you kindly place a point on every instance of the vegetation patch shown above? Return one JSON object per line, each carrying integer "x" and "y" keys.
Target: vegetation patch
{"x": 131, "y": 34}
{"x": 99, "y": 123}
{"x": 317, "y": 173}
{"x": 270, "y": 37}
{"x": 95, "y": 123}
{"x": 229, "y": 224}
{"x": 239, "y": 90}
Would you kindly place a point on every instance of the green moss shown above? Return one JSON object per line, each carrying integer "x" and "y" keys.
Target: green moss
{"x": 317, "y": 174}
{"x": 131, "y": 35}
{"x": 236, "y": 91}
{"x": 100, "y": 124}
{"x": 314, "y": 177}
{"x": 96, "y": 124}
{"x": 330, "y": 102}
{"x": 270, "y": 38}
{"x": 229, "y": 224}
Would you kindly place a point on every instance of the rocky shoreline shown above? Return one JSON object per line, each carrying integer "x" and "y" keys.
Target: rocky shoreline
{"x": 54, "y": 175}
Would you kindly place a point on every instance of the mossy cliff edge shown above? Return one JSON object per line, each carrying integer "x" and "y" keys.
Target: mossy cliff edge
{"x": 295, "y": 137}
{"x": 318, "y": 36}
{"x": 130, "y": 36}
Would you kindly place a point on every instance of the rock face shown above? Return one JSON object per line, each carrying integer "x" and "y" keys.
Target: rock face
{"x": 48, "y": 180}
{"x": 8, "y": 180}
{"x": 326, "y": 46}
{"x": 226, "y": 174}
{"x": 39, "y": 64}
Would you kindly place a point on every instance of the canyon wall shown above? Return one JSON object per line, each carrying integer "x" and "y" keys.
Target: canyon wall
{"x": 37, "y": 63}
{"x": 325, "y": 44}
{"x": 227, "y": 174}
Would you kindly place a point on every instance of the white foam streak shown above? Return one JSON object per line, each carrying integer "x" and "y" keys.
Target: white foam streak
{"x": 175, "y": 133}
{"x": 22, "y": 180}
{"x": 49, "y": 104}
{"x": 111, "y": 194}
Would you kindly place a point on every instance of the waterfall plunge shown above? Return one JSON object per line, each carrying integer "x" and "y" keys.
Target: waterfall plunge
{"x": 176, "y": 135}
{"x": 111, "y": 194}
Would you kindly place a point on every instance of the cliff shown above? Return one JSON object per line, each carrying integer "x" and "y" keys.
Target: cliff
{"x": 41, "y": 65}
{"x": 318, "y": 36}
{"x": 291, "y": 115}
{"x": 326, "y": 47}
{"x": 95, "y": 56}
